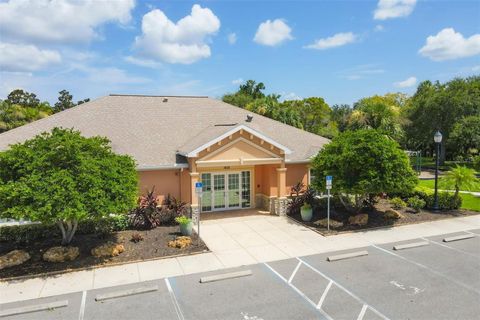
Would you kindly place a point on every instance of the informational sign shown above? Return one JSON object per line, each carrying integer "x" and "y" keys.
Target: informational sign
{"x": 198, "y": 187}
{"x": 329, "y": 186}
{"x": 198, "y": 190}
{"x": 329, "y": 182}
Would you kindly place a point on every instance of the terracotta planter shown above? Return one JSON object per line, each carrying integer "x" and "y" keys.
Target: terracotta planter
{"x": 186, "y": 229}
{"x": 306, "y": 213}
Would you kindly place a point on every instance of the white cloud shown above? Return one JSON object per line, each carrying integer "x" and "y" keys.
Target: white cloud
{"x": 272, "y": 33}
{"x": 182, "y": 42}
{"x": 387, "y": 9}
{"x": 448, "y": 45}
{"x": 60, "y": 20}
{"x": 289, "y": 96}
{"x": 112, "y": 75}
{"x": 378, "y": 28}
{"x": 360, "y": 72}
{"x": 143, "y": 62}
{"x": 407, "y": 83}
{"x": 337, "y": 40}
{"x": 238, "y": 81}
{"x": 232, "y": 38}
{"x": 20, "y": 57}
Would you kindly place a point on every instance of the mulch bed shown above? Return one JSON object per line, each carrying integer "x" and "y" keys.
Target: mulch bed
{"x": 154, "y": 245}
{"x": 376, "y": 218}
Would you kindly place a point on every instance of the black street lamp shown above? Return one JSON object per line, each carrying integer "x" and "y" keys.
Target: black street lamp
{"x": 438, "y": 139}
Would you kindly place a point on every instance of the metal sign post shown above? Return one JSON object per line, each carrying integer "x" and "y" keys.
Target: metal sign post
{"x": 199, "y": 192}
{"x": 329, "y": 186}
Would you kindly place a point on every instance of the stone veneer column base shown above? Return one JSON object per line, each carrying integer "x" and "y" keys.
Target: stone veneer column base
{"x": 280, "y": 205}
{"x": 274, "y": 205}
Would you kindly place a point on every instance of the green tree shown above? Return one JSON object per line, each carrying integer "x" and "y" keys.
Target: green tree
{"x": 459, "y": 178}
{"x": 341, "y": 116}
{"x": 382, "y": 113}
{"x": 237, "y": 99}
{"x": 23, "y": 98}
{"x": 465, "y": 137}
{"x": 15, "y": 115}
{"x": 253, "y": 89}
{"x": 439, "y": 106}
{"x": 62, "y": 177}
{"x": 314, "y": 114}
{"x": 363, "y": 163}
{"x": 270, "y": 107}
{"x": 65, "y": 101}
{"x": 246, "y": 93}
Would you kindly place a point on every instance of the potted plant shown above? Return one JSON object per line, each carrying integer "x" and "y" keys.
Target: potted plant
{"x": 306, "y": 212}
{"x": 186, "y": 225}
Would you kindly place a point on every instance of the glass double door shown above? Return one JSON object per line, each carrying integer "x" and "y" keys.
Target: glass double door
{"x": 223, "y": 191}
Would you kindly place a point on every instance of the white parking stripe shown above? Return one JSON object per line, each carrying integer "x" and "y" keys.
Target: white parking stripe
{"x": 344, "y": 289}
{"x": 174, "y": 300}
{"x": 362, "y": 312}
{"x": 429, "y": 269}
{"x": 298, "y": 291}
{"x": 294, "y": 272}
{"x": 82, "y": 305}
{"x": 324, "y": 295}
{"x": 451, "y": 248}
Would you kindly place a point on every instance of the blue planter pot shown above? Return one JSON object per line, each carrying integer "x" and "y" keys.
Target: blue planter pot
{"x": 186, "y": 229}
{"x": 306, "y": 214}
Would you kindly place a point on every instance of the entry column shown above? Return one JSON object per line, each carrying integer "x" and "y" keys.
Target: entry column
{"x": 194, "y": 178}
{"x": 281, "y": 201}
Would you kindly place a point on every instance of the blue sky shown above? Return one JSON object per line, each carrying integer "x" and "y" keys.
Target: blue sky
{"x": 339, "y": 50}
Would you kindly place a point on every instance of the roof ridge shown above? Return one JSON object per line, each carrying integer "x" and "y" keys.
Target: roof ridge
{"x": 152, "y": 96}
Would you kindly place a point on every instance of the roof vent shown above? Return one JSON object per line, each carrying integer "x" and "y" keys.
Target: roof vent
{"x": 165, "y": 100}
{"x": 249, "y": 118}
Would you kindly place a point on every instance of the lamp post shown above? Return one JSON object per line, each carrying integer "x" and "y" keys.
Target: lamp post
{"x": 438, "y": 139}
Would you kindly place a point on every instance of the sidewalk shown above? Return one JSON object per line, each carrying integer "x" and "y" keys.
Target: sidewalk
{"x": 233, "y": 241}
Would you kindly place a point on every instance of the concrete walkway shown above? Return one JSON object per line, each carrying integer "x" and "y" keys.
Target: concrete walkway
{"x": 234, "y": 241}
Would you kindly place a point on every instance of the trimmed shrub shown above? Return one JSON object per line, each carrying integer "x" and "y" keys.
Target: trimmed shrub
{"x": 446, "y": 200}
{"x": 476, "y": 163}
{"x": 29, "y": 233}
{"x": 398, "y": 203}
{"x": 416, "y": 203}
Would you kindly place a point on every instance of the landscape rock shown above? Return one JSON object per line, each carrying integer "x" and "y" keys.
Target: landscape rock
{"x": 391, "y": 214}
{"x": 180, "y": 242}
{"x": 61, "y": 254}
{"x": 359, "y": 219}
{"x": 13, "y": 258}
{"x": 110, "y": 249}
{"x": 334, "y": 224}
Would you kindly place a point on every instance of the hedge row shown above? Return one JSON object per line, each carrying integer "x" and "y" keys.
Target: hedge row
{"x": 28, "y": 233}
{"x": 446, "y": 200}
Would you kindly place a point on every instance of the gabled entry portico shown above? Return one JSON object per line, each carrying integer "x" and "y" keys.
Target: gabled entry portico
{"x": 228, "y": 167}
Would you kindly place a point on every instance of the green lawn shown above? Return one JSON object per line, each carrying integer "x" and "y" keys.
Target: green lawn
{"x": 430, "y": 163}
{"x": 470, "y": 202}
{"x": 431, "y": 184}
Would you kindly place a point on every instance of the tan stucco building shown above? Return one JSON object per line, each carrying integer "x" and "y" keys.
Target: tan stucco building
{"x": 243, "y": 160}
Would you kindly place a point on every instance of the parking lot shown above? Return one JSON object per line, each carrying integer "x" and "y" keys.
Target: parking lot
{"x": 435, "y": 280}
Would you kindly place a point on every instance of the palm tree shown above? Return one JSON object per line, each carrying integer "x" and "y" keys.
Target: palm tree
{"x": 460, "y": 177}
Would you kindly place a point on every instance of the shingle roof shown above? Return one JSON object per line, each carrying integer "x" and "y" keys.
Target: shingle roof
{"x": 154, "y": 131}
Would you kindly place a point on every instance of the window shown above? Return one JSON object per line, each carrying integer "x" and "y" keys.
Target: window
{"x": 246, "y": 189}
{"x": 207, "y": 191}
